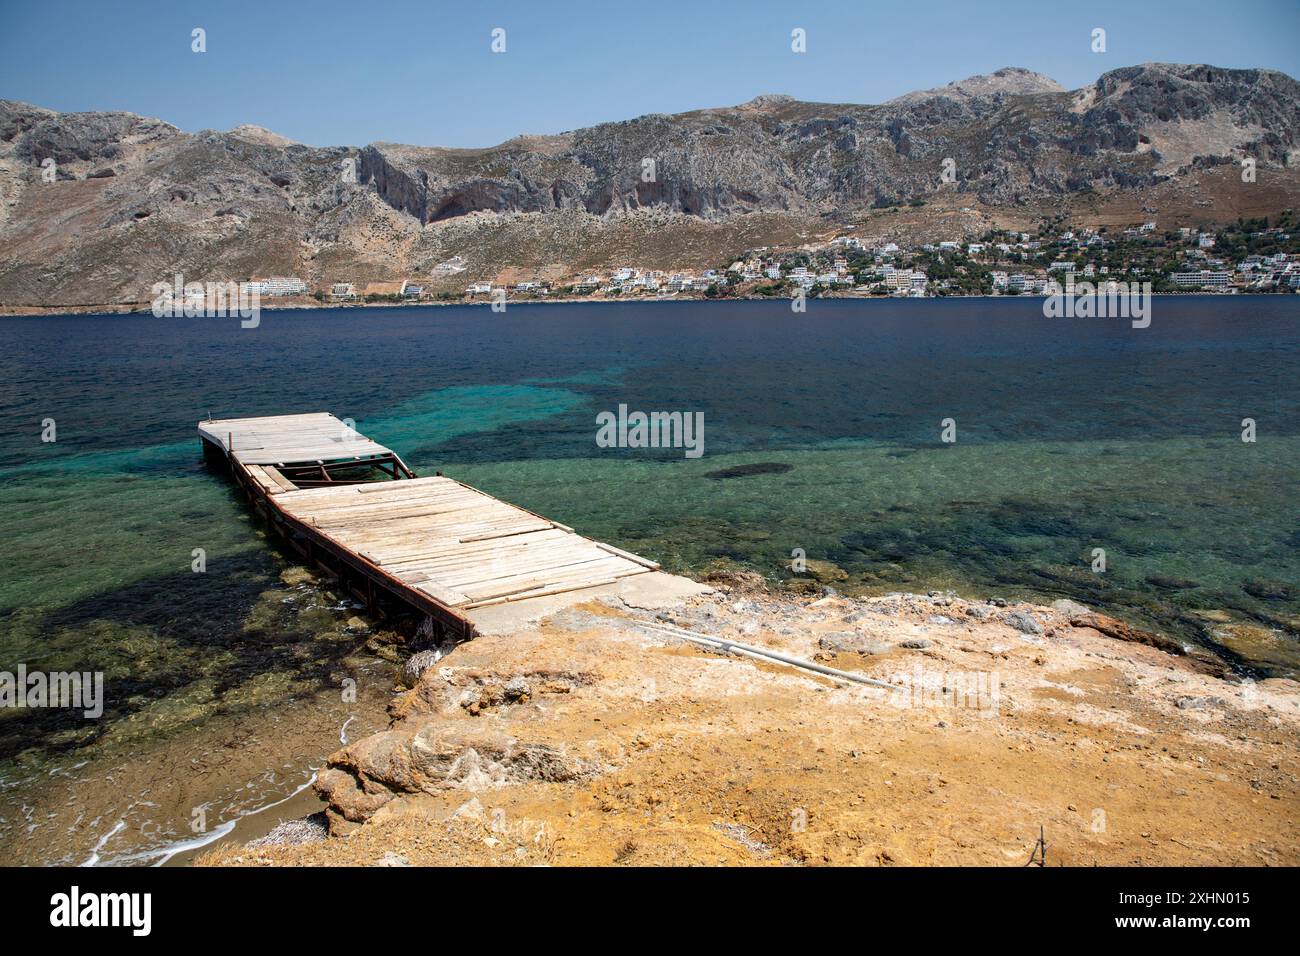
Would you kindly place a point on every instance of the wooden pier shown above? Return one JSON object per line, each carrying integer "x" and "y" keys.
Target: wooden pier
{"x": 432, "y": 545}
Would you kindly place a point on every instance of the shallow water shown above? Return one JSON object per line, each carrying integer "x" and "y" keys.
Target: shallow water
{"x": 1072, "y": 435}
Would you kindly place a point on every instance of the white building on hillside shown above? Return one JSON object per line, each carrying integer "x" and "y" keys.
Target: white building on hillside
{"x": 279, "y": 285}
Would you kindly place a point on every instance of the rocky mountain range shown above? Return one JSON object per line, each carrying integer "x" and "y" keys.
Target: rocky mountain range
{"x": 97, "y": 207}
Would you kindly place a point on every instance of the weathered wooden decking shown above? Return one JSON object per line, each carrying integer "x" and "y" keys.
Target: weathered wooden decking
{"x": 435, "y": 544}
{"x": 285, "y": 439}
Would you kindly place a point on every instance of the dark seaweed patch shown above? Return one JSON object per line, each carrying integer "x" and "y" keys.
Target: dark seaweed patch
{"x": 757, "y": 468}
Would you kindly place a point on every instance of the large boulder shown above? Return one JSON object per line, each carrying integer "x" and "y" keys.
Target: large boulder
{"x": 431, "y": 755}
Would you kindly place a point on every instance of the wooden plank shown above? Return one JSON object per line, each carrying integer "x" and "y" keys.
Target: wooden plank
{"x": 469, "y": 579}
{"x": 504, "y": 590}
{"x": 569, "y": 572}
{"x": 508, "y": 532}
{"x": 444, "y": 594}
{"x": 519, "y": 547}
{"x": 283, "y": 483}
{"x": 646, "y": 562}
{"x": 541, "y": 592}
{"x": 430, "y": 550}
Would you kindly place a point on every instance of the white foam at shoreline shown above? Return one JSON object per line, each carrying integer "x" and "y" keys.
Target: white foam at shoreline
{"x": 167, "y": 851}
{"x": 93, "y": 859}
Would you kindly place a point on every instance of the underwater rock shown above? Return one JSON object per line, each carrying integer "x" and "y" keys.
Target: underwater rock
{"x": 296, "y": 575}
{"x": 1255, "y": 642}
{"x": 383, "y": 649}
{"x": 735, "y": 579}
{"x": 1269, "y": 590}
{"x": 825, "y": 572}
{"x": 743, "y": 471}
{"x": 802, "y": 586}
{"x": 1169, "y": 583}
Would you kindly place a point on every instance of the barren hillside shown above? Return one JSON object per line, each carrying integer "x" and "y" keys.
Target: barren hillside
{"x": 97, "y": 207}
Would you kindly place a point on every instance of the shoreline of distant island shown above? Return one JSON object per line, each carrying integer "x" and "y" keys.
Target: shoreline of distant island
{"x": 1256, "y": 256}
{"x": 138, "y": 309}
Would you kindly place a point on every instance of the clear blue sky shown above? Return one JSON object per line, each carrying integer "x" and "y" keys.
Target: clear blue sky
{"x": 331, "y": 73}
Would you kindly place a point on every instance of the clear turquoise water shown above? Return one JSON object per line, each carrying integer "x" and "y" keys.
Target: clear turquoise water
{"x": 1072, "y": 435}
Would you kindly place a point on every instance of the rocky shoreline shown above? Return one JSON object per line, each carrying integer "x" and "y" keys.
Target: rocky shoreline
{"x": 594, "y": 736}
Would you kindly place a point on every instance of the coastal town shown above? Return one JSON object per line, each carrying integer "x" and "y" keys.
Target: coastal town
{"x": 1250, "y": 256}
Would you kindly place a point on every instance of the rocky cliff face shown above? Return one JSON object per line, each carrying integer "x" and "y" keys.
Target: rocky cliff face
{"x": 131, "y": 200}
{"x": 1013, "y": 136}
